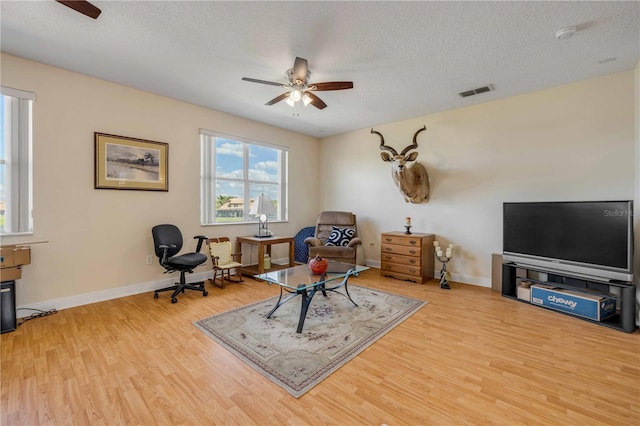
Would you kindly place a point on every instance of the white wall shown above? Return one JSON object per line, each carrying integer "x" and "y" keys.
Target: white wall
{"x": 98, "y": 240}
{"x": 574, "y": 142}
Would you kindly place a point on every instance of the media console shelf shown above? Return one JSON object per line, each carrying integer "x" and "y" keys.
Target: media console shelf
{"x": 624, "y": 292}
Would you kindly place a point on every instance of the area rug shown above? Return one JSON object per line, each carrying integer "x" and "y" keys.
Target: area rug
{"x": 335, "y": 331}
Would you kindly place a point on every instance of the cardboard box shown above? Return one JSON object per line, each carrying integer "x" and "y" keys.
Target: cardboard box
{"x": 11, "y": 260}
{"x": 585, "y": 305}
{"x": 11, "y": 256}
{"x": 10, "y": 274}
{"x": 538, "y": 276}
{"x": 524, "y": 290}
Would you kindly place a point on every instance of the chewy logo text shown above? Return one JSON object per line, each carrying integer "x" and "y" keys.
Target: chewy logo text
{"x": 570, "y": 303}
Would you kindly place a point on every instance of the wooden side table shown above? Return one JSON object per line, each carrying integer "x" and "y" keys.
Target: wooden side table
{"x": 263, "y": 243}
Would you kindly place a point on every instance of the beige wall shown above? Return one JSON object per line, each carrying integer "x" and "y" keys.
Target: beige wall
{"x": 98, "y": 240}
{"x": 568, "y": 143}
{"x": 574, "y": 142}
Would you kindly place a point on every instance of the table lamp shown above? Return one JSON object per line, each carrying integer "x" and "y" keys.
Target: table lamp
{"x": 261, "y": 208}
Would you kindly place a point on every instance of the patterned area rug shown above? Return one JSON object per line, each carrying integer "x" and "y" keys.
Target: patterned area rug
{"x": 334, "y": 332}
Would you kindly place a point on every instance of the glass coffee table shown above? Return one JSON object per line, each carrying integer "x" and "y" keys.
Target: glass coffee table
{"x": 299, "y": 281}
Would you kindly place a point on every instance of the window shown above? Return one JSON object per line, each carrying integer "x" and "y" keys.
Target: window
{"x": 234, "y": 172}
{"x": 16, "y": 167}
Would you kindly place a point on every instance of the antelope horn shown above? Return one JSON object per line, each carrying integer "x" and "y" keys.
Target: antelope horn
{"x": 415, "y": 141}
{"x": 382, "y": 145}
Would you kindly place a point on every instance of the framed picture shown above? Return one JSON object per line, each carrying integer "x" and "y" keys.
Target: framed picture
{"x": 128, "y": 163}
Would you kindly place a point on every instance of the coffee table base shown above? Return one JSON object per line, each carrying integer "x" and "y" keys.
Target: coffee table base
{"x": 307, "y": 296}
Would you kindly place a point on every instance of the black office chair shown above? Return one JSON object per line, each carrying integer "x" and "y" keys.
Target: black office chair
{"x": 167, "y": 241}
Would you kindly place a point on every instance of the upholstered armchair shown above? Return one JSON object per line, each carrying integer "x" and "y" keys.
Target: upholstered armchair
{"x": 336, "y": 237}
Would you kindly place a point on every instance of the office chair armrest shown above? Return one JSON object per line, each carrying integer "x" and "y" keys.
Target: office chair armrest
{"x": 201, "y": 239}
{"x": 165, "y": 250}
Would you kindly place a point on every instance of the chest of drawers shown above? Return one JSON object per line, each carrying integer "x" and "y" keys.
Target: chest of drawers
{"x": 407, "y": 256}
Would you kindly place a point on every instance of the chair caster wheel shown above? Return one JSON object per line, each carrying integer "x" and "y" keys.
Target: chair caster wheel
{"x": 205, "y": 293}
{"x": 155, "y": 295}
{"x": 174, "y": 300}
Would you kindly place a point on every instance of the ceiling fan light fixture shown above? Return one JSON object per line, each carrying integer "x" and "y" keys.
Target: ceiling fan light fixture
{"x": 295, "y": 95}
{"x": 298, "y": 87}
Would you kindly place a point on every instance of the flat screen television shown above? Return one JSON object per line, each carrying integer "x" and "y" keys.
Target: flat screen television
{"x": 585, "y": 238}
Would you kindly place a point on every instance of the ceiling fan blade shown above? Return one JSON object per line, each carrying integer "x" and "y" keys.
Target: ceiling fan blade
{"x": 300, "y": 69}
{"x": 316, "y": 101}
{"x": 83, "y": 7}
{"x": 271, "y": 83}
{"x": 277, "y": 99}
{"x": 333, "y": 85}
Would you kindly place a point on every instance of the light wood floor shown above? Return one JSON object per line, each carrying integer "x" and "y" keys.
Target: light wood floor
{"x": 468, "y": 357}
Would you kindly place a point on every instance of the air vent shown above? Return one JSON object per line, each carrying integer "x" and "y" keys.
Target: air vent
{"x": 477, "y": 91}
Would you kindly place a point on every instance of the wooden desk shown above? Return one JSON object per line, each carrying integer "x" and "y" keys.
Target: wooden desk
{"x": 267, "y": 242}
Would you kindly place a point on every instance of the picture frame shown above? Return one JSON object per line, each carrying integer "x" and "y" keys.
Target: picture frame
{"x": 129, "y": 163}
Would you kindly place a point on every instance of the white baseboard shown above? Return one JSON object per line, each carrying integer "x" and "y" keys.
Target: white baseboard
{"x": 100, "y": 296}
{"x": 115, "y": 293}
{"x": 459, "y": 278}
{"x": 468, "y": 279}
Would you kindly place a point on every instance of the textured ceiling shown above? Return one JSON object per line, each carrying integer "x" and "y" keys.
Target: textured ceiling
{"x": 406, "y": 59}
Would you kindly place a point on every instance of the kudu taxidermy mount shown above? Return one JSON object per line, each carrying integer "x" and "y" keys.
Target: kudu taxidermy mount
{"x": 410, "y": 177}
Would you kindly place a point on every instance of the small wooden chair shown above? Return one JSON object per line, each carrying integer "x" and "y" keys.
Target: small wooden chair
{"x": 223, "y": 259}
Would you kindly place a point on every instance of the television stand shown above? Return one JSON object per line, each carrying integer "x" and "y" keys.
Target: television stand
{"x": 623, "y": 292}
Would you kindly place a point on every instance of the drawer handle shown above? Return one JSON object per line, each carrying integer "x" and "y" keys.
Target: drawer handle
{"x": 412, "y": 242}
{"x": 413, "y": 271}
{"x": 388, "y": 248}
{"x": 412, "y": 261}
{"x": 389, "y": 239}
{"x": 387, "y": 257}
{"x": 412, "y": 251}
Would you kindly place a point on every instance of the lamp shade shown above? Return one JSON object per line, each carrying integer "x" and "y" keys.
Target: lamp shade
{"x": 262, "y": 205}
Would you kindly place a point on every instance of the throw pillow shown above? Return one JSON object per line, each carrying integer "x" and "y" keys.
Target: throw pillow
{"x": 340, "y": 236}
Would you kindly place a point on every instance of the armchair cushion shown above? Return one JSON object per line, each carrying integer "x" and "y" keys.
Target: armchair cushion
{"x": 355, "y": 242}
{"x": 340, "y": 236}
{"x": 312, "y": 241}
{"x": 222, "y": 256}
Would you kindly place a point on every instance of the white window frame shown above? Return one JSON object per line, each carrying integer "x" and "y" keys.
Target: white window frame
{"x": 208, "y": 178}
{"x": 17, "y": 161}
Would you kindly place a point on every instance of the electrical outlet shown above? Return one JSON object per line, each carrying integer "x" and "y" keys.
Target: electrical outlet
{"x": 149, "y": 260}
{"x": 372, "y": 244}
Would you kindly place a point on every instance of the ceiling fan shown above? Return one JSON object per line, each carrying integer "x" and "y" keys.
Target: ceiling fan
{"x": 299, "y": 88}
{"x": 83, "y": 7}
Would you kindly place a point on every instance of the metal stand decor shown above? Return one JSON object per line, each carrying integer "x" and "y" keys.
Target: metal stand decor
{"x": 444, "y": 258}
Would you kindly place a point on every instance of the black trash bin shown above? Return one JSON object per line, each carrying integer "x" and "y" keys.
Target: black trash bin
{"x": 8, "y": 306}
